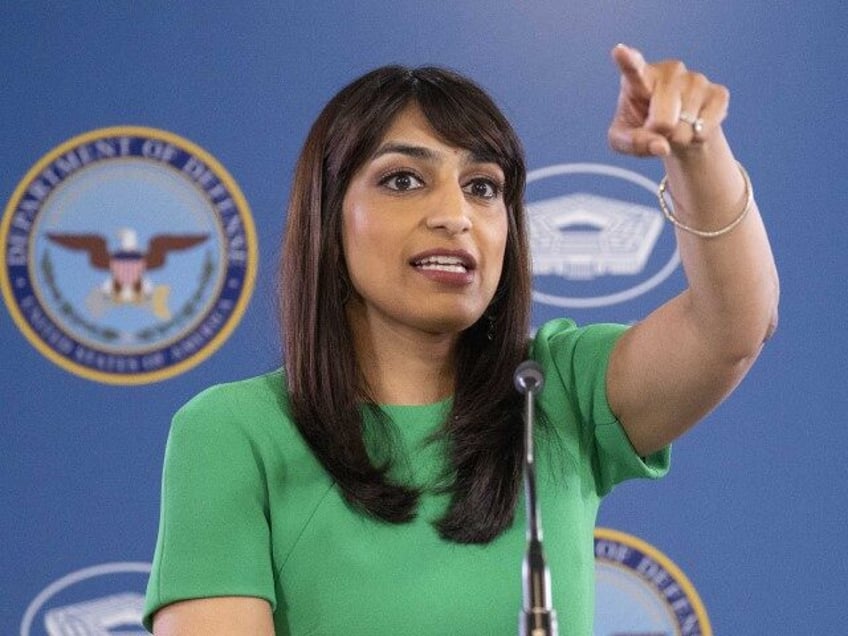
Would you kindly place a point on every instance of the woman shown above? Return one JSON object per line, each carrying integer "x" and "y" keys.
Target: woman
{"x": 373, "y": 486}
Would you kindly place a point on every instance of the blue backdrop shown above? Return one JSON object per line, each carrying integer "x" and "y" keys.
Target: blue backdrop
{"x": 755, "y": 510}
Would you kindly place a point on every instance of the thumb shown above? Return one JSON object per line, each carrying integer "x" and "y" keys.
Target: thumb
{"x": 639, "y": 142}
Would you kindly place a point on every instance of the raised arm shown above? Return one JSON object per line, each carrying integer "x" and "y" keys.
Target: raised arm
{"x": 671, "y": 369}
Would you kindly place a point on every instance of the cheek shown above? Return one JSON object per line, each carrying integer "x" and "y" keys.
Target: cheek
{"x": 364, "y": 242}
{"x": 354, "y": 223}
{"x": 357, "y": 230}
{"x": 496, "y": 254}
{"x": 497, "y": 243}
{"x": 363, "y": 217}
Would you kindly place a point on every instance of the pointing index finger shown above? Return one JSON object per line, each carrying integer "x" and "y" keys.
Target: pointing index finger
{"x": 635, "y": 71}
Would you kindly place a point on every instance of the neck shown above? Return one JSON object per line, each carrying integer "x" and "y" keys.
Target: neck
{"x": 403, "y": 365}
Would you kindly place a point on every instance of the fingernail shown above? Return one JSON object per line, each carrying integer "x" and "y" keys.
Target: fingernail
{"x": 658, "y": 148}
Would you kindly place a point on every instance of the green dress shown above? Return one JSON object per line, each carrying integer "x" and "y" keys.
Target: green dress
{"x": 248, "y": 511}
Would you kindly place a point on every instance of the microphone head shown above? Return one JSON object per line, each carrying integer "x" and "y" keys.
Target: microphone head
{"x": 528, "y": 377}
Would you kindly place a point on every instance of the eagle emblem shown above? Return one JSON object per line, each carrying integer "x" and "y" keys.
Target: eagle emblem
{"x": 128, "y": 267}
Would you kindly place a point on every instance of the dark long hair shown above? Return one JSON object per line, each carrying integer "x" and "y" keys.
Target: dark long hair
{"x": 325, "y": 385}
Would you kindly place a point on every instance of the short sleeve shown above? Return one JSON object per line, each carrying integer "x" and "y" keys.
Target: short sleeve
{"x": 577, "y": 358}
{"x": 214, "y": 537}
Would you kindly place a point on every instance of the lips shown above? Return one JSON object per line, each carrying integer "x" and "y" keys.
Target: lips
{"x": 454, "y": 268}
{"x": 451, "y": 261}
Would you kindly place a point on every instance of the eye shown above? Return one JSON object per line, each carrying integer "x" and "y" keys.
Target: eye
{"x": 401, "y": 181}
{"x": 483, "y": 188}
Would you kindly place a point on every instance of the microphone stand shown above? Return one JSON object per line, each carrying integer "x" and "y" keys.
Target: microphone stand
{"x": 537, "y": 616}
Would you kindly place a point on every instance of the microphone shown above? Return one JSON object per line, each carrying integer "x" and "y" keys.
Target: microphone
{"x": 537, "y": 616}
{"x": 528, "y": 377}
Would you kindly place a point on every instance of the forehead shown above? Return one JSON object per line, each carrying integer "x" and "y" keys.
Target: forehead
{"x": 411, "y": 124}
{"x": 410, "y": 130}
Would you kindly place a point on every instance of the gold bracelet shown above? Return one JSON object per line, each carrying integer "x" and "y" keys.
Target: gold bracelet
{"x": 666, "y": 210}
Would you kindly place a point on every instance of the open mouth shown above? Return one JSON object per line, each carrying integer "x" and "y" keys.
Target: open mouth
{"x": 452, "y": 264}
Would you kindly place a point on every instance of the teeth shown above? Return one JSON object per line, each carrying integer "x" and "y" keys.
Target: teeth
{"x": 443, "y": 264}
{"x": 459, "y": 269}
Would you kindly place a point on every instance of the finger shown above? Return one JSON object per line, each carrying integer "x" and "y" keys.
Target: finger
{"x": 639, "y": 142}
{"x": 636, "y": 76}
{"x": 691, "y": 120}
{"x": 703, "y": 111}
{"x": 714, "y": 110}
{"x": 666, "y": 101}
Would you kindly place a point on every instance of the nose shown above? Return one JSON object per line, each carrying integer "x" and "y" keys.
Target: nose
{"x": 451, "y": 212}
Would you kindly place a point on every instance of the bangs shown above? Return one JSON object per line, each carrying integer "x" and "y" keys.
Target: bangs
{"x": 468, "y": 119}
{"x": 459, "y": 111}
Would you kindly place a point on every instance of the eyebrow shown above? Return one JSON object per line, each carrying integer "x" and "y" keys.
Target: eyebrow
{"x": 427, "y": 154}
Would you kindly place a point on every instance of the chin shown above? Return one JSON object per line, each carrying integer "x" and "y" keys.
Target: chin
{"x": 455, "y": 324}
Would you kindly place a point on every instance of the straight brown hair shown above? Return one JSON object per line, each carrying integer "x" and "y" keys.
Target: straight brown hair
{"x": 483, "y": 433}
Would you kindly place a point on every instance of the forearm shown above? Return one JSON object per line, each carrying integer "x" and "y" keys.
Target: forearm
{"x": 733, "y": 284}
{"x": 680, "y": 362}
{"x": 672, "y": 368}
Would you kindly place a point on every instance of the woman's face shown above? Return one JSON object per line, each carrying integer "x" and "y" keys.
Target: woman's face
{"x": 424, "y": 230}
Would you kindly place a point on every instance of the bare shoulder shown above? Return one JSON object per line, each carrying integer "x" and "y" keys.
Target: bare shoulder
{"x": 219, "y": 616}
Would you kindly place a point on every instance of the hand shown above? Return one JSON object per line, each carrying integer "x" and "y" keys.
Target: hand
{"x": 663, "y": 108}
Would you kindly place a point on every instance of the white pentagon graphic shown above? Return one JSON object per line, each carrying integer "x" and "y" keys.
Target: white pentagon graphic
{"x": 583, "y": 236}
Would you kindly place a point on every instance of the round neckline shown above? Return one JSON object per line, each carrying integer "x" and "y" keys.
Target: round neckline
{"x": 418, "y": 408}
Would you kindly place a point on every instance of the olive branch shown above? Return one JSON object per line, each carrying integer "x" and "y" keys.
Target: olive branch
{"x": 67, "y": 309}
{"x": 188, "y": 310}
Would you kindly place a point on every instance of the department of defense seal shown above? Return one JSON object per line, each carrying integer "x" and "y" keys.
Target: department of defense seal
{"x": 129, "y": 255}
{"x": 640, "y": 592}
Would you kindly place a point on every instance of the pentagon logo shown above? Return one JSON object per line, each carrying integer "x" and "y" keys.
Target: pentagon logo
{"x": 95, "y": 601}
{"x": 597, "y": 236}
